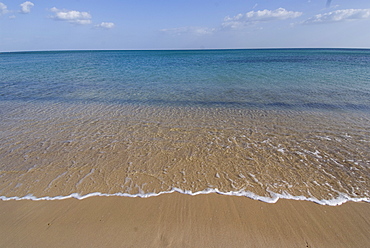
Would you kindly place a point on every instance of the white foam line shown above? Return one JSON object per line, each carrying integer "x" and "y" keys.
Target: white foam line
{"x": 274, "y": 197}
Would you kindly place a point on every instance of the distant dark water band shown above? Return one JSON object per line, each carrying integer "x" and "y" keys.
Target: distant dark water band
{"x": 210, "y": 104}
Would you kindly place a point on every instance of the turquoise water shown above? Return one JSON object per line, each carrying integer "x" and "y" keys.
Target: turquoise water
{"x": 324, "y": 79}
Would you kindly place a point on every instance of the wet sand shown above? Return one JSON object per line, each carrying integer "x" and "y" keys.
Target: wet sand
{"x": 177, "y": 220}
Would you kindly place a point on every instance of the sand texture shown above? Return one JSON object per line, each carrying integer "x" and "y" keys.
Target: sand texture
{"x": 177, "y": 220}
{"x": 63, "y": 149}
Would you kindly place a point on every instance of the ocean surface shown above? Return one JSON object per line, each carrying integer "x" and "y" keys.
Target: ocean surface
{"x": 266, "y": 124}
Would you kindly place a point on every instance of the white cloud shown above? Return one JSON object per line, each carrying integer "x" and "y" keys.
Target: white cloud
{"x": 105, "y": 25}
{"x": 339, "y": 15}
{"x": 237, "y": 21}
{"x": 26, "y": 7}
{"x": 72, "y": 16}
{"x": 189, "y": 30}
{"x": 3, "y": 9}
{"x": 259, "y": 16}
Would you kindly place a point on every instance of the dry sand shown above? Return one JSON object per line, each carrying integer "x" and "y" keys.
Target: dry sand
{"x": 176, "y": 220}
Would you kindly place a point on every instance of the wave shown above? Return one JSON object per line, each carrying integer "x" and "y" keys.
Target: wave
{"x": 274, "y": 197}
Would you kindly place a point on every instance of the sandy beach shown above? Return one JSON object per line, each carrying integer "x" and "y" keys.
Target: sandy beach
{"x": 177, "y": 220}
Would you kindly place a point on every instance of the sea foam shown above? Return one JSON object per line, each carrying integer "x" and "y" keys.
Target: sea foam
{"x": 274, "y": 197}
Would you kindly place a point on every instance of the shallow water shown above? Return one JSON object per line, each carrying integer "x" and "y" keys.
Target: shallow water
{"x": 266, "y": 124}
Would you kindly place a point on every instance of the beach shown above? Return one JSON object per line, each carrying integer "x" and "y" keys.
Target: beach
{"x": 218, "y": 148}
{"x": 178, "y": 220}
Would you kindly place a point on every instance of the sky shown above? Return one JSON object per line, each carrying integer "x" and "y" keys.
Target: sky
{"x": 182, "y": 24}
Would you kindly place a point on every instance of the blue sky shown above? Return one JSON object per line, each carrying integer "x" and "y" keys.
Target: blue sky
{"x": 182, "y": 24}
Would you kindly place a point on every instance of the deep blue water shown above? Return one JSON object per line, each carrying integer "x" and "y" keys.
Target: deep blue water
{"x": 316, "y": 79}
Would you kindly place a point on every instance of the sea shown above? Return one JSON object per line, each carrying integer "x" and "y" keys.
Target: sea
{"x": 267, "y": 124}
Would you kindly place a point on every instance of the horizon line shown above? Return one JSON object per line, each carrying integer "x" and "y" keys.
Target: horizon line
{"x": 187, "y": 49}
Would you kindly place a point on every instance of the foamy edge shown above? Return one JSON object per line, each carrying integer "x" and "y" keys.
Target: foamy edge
{"x": 274, "y": 197}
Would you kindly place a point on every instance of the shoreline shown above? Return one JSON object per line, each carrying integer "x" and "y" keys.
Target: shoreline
{"x": 273, "y": 198}
{"x": 63, "y": 149}
{"x": 178, "y": 220}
